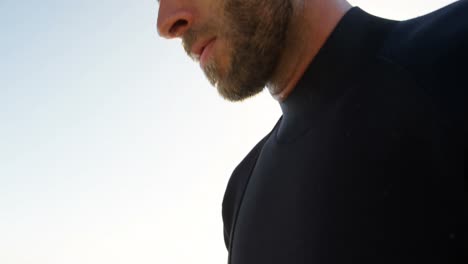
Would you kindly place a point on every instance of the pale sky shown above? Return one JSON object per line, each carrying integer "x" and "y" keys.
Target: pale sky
{"x": 114, "y": 147}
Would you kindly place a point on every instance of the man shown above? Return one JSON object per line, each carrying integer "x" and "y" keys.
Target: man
{"x": 366, "y": 164}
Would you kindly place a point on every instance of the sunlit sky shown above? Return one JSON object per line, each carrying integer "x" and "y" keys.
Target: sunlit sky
{"x": 114, "y": 147}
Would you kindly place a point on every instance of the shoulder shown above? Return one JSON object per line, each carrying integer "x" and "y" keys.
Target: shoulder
{"x": 235, "y": 188}
{"x": 432, "y": 50}
{"x": 426, "y": 41}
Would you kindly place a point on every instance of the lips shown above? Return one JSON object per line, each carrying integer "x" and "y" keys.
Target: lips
{"x": 199, "y": 48}
{"x": 206, "y": 53}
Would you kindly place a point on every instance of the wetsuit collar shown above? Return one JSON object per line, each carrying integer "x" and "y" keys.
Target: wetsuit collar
{"x": 326, "y": 78}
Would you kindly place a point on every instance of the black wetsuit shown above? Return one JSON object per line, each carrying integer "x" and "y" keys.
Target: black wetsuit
{"x": 366, "y": 165}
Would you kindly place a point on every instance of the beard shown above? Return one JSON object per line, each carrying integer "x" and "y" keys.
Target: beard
{"x": 255, "y": 33}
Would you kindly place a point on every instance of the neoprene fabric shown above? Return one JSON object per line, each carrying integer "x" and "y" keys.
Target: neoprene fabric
{"x": 366, "y": 165}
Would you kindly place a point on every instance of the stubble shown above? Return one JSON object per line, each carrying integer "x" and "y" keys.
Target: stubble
{"x": 255, "y": 32}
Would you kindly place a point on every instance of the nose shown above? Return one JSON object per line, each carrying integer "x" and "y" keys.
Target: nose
{"x": 174, "y": 19}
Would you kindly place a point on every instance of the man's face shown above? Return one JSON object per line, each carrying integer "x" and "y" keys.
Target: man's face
{"x": 237, "y": 42}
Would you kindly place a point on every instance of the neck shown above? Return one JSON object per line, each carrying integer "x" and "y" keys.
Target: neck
{"x": 311, "y": 24}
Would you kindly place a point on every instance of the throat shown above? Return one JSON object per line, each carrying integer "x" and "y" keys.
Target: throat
{"x": 309, "y": 29}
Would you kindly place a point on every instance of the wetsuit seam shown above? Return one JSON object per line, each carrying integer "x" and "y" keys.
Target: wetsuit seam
{"x": 401, "y": 68}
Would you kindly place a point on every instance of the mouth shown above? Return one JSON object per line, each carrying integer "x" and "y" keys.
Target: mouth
{"x": 200, "y": 48}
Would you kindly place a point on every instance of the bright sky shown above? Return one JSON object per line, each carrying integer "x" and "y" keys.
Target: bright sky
{"x": 114, "y": 148}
